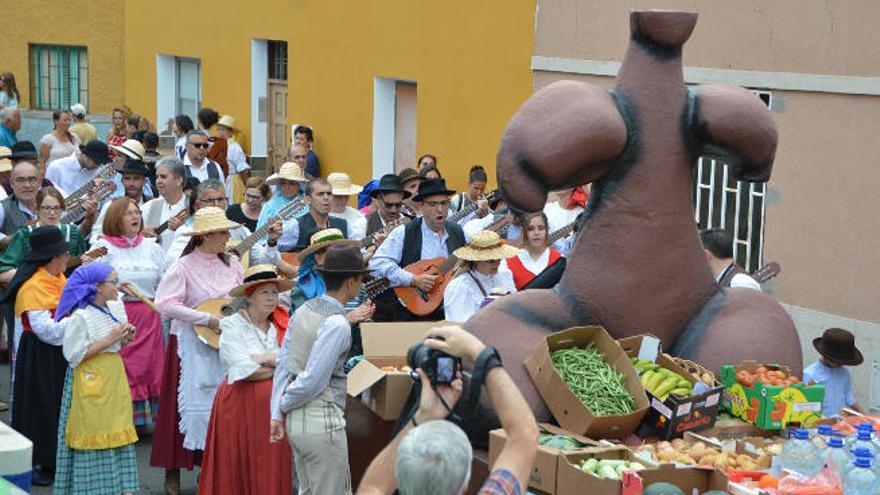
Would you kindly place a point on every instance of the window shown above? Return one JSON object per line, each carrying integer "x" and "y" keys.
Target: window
{"x": 59, "y": 76}
{"x": 188, "y": 87}
{"x": 278, "y": 60}
{"x": 738, "y": 206}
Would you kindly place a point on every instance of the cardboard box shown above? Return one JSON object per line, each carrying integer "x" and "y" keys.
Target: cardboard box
{"x": 730, "y": 428}
{"x": 568, "y": 410}
{"x": 570, "y": 480}
{"x": 543, "y": 475}
{"x": 386, "y": 344}
{"x": 677, "y": 414}
{"x": 770, "y": 407}
{"x": 691, "y": 480}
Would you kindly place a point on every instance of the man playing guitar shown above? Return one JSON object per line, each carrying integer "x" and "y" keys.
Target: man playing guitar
{"x": 429, "y": 236}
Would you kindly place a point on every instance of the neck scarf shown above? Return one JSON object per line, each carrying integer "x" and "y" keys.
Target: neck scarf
{"x": 121, "y": 241}
{"x": 82, "y": 287}
{"x": 41, "y": 291}
{"x": 310, "y": 282}
{"x": 270, "y": 209}
{"x": 578, "y": 198}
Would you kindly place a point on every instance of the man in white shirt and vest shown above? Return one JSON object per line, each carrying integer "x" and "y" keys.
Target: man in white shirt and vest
{"x": 718, "y": 244}
{"x": 170, "y": 178}
{"x": 196, "y": 159}
{"x": 426, "y": 237}
{"x": 313, "y": 400}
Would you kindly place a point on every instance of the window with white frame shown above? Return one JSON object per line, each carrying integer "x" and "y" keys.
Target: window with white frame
{"x": 738, "y": 206}
{"x": 59, "y": 76}
{"x": 188, "y": 86}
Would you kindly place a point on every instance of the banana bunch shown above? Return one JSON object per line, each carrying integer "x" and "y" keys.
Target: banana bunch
{"x": 660, "y": 381}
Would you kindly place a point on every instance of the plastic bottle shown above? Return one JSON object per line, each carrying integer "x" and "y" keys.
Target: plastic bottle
{"x": 835, "y": 456}
{"x": 860, "y": 480}
{"x": 800, "y": 455}
{"x": 821, "y": 435}
{"x": 864, "y": 441}
{"x": 862, "y": 452}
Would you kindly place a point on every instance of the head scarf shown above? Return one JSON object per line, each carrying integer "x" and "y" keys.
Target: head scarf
{"x": 82, "y": 287}
{"x": 364, "y": 198}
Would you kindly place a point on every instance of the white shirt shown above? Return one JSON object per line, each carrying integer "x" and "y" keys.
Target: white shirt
{"x": 201, "y": 172}
{"x": 43, "y": 325}
{"x": 290, "y": 233}
{"x": 533, "y": 265}
{"x": 357, "y": 222}
{"x": 239, "y": 340}
{"x": 180, "y": 147}
{"x": 385, "y": 262}
{"x": 557, "y": 218}
{"x": 158, "y": 211}
{"x": 462, "y": 297}
{"x": 68, "y": 175}
{"x": 87, "y": 326}
{"x": 740, "y": 280}
{"x": 838, "y": 387}
{"x": 142, "y": 265}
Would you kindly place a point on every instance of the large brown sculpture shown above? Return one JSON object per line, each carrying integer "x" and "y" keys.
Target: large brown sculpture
{"x": 638, "y": 265}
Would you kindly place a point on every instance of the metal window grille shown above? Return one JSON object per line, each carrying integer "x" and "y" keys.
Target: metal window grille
{"x": 278, "y": 60}
{"x": 59, "y": 76}
{"x": 738, "y": 206}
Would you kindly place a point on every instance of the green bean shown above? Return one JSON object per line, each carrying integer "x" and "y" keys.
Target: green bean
{"x": 593, "y": 381}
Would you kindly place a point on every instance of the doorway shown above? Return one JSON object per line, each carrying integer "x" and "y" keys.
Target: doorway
{"x": 277, "y": 129}
{"x": 395, "y": 125}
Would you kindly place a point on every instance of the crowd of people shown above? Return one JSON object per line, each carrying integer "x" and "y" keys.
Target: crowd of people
{"x": 121, "y": 260}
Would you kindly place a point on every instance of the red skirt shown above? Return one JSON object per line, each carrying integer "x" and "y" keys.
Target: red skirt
{"x": 239, "y": 459}
{"x": 168, "y": 451}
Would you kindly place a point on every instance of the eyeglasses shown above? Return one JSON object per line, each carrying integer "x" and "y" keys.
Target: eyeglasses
{"x": 392, "y": 206}
{"x": 26, "y": 180}
{"x": 255, "y": 198}
{"x": 435, "y": 204}
{"x": 51, "y": 209}
{"x": 213, "y": 201}
{"x": 203, "y": 146}
{"x": 114, "y": 281}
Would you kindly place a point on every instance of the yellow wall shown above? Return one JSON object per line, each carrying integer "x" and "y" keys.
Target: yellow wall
{"x": 471, "y": 61}
{"x": 96, "y": 24}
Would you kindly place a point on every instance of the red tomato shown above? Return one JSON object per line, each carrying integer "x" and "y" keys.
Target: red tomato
{"x": 761, "y": 370}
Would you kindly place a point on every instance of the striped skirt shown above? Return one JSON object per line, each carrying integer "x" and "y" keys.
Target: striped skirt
{"x": 85, "y": 472}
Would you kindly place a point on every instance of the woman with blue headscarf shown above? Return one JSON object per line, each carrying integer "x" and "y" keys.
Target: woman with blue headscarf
{"x": 96, "y": 435}
{"x": 288, "y": 189}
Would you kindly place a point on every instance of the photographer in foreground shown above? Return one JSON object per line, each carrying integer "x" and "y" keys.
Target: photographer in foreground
{"x": 431, "y": 456}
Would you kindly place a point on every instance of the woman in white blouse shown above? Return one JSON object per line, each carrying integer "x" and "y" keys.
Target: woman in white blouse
{"x": 239, "y": 459}
{"x": 139, "y": 262}
{"x": 58, "y": 143}
{"x": 536, "y": 255}
{"x": 476, "y": 275}
{"x": 96, "y": 437}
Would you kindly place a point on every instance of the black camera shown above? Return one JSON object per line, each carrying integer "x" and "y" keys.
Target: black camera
{"x": 440, "y": 367}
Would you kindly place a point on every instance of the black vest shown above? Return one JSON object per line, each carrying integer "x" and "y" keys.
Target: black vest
{"x": 374, "y": 223}
{"x": 213, "y": 170}
{"x": 307, "y": 227}
{"x": 412, "y": 241}
{"x": 13, "y": 218}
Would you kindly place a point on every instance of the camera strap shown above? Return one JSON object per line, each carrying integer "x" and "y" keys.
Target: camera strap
{"x": 488, "y": 359}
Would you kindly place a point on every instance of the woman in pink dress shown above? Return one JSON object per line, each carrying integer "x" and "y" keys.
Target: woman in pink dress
{"x": 139, "y": 261}
{"x": 193, "y": 370}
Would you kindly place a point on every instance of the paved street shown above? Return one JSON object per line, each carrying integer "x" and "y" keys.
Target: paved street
{"x": 152, "y": 479}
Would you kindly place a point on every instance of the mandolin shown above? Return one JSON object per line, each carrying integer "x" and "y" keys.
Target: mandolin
{"x": 180, "y": 215}
{"x": 423, "y": 303}
{"x": 104, "y": 172}
{"x": 220, "y": 308}
{"x": 467, "y": 210}
{"x": 93, "y": 254}
{"x": 239, "y": 248}
{"x": 78, "y": 212}
{"x": 767, "y": 272}
{"x": 383, "y": 232}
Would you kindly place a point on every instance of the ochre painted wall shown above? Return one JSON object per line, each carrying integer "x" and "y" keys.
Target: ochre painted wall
{"x": 471, "y": 61}
{"x": 96, "y": 24}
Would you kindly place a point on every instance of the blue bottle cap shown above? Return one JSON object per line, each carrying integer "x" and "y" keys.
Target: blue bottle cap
{"x": 825, "y": 429}
{"x": 864, "y": 435}
{"x": 863, "y": 462}
{"x": 801, "y": 434}
{"x": 835, "y": 442}
{"x": 866, "y": 426}
{"x": 862, "y": 452}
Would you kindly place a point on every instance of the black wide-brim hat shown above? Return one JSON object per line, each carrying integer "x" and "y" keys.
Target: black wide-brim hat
{"x": 432, "y": 187}
{"x": 23, "y": 150}
{"x": 343, "y": 260}
{"x": 390, "y": 183}
{"x": 839, "y": 346}
{"x": 46, "y": 242}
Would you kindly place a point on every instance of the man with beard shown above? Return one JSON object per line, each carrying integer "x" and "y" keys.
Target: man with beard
{"x": 298, "y": 232}
{"x": 134, "y": 177}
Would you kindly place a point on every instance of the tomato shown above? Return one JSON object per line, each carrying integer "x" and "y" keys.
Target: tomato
{"x": 748, "y": 381}
{"x": 794, "y": 379}
{"x": 761, "y": 370}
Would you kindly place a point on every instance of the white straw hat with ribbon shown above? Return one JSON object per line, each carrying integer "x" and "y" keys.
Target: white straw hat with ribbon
{"x": 485, "y": 245}
{"x": 209, "y": 220}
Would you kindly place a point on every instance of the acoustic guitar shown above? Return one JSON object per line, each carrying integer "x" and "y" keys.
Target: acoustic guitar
{"x": 104, "y": 172}
{"x": 181, "y": 215}
{"x": 423, "y": 303}
{"x": 240, "y": 248}
{"x": 78, "y": 212}
{"x": 460, "y": 215}
{"x": 94, "y": 254}
{"x": 220, "y": 308}
{"x": 767, "y": 272}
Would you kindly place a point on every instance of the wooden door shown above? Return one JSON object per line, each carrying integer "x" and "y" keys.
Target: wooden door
{"x": 277, "y": 128}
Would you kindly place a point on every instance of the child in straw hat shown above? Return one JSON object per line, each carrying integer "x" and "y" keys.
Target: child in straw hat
{"x": 477, "y": 274}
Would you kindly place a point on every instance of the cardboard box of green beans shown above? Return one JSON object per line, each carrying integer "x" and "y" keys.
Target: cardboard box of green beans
{"x": 588, "y": 383}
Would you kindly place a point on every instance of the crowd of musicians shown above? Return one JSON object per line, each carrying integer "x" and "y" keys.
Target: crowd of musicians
{"x": 175, "y": 294}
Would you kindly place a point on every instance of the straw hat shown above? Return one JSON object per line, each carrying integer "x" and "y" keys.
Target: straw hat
{"x": 227, "y": 121}
{"x": 261, "y": 274}
{"x": 288, "y": 171}
{"x": 5, "y": 159}
{"x": 485, "y": 245}
{"x": 131, "y": 148}
{"x": 341, "y": 184}
{"x": 323, "y": 239}
{"x": 211, "y": 219}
